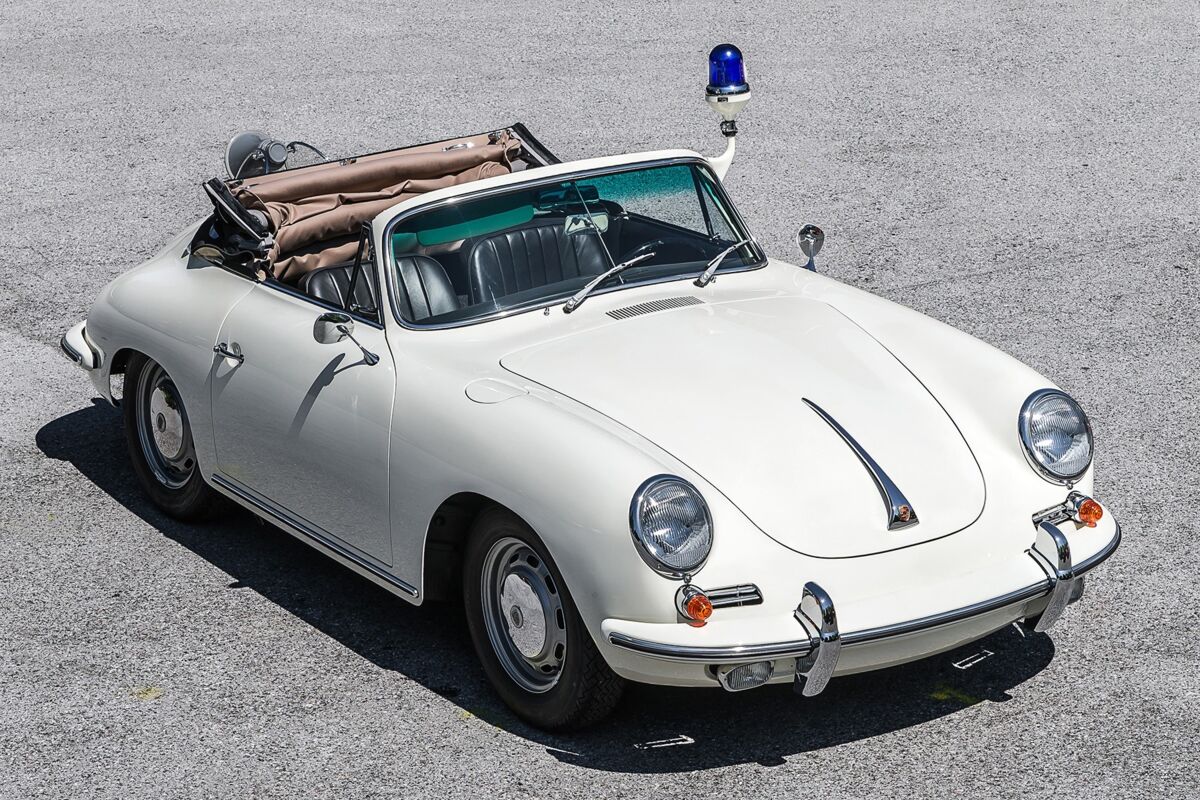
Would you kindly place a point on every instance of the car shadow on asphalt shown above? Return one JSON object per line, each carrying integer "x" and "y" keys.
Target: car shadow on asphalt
{"x": 654, "y": 730}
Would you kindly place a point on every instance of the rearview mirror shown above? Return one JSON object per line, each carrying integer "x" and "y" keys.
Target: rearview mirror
{"x": 333, "y": 327}
{"x": 566, "y": 195}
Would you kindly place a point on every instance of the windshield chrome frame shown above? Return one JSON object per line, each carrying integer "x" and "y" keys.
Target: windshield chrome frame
{"x": 388, "y": 262}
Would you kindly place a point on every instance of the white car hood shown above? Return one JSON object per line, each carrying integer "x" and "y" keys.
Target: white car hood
{"x": 720, "y": 387}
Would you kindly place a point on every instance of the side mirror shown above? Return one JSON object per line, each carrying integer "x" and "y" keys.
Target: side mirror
{"x": 810, "y": 238}
{"x": 333, "y": 327}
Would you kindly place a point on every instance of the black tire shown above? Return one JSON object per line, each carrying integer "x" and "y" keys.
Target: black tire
{"x": 172, "y": 481}
{"x": 583, "y": 689}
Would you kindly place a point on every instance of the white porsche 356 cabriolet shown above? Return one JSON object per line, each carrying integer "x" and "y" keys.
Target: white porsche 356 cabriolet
{"x": 582, "y": 395}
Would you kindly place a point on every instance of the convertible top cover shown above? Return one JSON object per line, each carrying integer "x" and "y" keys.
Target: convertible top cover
{"x": 315, "y": 212}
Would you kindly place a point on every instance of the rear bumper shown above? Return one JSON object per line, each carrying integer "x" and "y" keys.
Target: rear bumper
{"x": 819, "y": 650}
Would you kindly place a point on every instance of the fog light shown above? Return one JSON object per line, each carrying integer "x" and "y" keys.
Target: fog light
{"x": 693, "y": 604}
{"x": 745, "y": 676}
{"x": 1089, "y": 513}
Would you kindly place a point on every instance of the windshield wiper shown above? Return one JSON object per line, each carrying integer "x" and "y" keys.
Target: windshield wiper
{"x": 711, "y": 268}
{"x": 582, "y": 294}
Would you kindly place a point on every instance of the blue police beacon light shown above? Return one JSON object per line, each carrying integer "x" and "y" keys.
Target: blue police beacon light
{"x": 726, "y": 71}
{"x": 727, "y": 94}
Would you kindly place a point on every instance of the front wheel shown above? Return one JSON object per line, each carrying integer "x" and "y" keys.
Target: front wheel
{"x": 527, "y": 632}
{"x": 159, "y": 438}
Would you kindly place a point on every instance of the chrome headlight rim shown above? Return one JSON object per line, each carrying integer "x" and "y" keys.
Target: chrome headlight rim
{"x": 666, "y": 570}
{"x": 1023, "y": 429}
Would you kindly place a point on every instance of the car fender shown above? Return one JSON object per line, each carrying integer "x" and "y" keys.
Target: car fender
{"x": 169, "y": 308}
{"x": 568, "y": 472}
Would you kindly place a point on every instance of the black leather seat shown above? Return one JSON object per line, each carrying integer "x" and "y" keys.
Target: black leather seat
{"x": 425, "y": 290}
{"x": 332, "y": 284}
{"x": 532, "y": 255}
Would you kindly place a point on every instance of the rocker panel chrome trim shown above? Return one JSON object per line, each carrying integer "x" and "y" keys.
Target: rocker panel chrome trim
{"x": 304, "y": 530}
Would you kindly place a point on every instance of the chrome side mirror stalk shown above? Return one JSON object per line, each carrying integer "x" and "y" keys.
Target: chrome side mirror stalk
{"x": 333, "y": 327}
{"x": 810, "y": 239}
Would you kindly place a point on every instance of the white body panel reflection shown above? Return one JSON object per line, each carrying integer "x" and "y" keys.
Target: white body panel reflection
{"x": 306, "y": 424}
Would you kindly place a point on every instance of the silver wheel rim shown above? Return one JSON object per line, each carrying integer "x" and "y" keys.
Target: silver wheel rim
{"x": 162, "y": 428}
{"x": 523, "y": 614}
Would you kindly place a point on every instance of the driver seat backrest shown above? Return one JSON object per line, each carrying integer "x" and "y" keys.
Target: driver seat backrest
{"x": 424, "y": 289}
{"x": 530, "y": 256}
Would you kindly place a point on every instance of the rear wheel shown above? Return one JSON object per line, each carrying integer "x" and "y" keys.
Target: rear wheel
{"x": 159, "y": 439}
{"x": 527, "y": 632}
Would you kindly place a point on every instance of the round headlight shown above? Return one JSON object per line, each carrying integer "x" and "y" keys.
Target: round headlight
{"x": 671, "y": 525}
{"x": 1056, "y": 434}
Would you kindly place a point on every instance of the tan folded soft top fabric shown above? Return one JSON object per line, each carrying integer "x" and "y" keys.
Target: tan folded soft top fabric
{"x": 315, "y": 205}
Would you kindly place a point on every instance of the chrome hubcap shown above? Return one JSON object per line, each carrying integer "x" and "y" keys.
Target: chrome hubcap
{"x": 168, "y": 424}
{"x": 523, "y": 615}
{"x": 162, "y": 428}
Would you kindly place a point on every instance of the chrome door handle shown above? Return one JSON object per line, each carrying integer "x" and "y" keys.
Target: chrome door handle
{"x": 222, "y": 350}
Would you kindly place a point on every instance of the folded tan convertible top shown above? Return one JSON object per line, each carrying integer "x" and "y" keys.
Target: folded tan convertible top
{"x": 313, "y": 210}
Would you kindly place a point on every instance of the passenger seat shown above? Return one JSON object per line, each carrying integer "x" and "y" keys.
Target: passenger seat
{"x": 530, "y": 256}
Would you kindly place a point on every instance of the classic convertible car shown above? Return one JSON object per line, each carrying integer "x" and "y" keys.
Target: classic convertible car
{"x": 583, "y": 398}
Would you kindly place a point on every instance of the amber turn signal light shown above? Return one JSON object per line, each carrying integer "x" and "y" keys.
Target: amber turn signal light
{"x": 1089, "y": 512}
{"x": 694, "y": 605}
{"x": 699, "y": 607}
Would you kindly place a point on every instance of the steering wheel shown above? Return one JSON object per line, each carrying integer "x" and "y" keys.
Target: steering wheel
{"x": 657, "y": 246}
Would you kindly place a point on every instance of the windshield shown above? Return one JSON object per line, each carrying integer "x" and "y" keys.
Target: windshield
{"x": 536, "y": 245}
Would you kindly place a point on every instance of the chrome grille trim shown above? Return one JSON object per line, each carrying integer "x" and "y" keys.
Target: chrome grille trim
{"x": 654, "y": 305}
{"x": 744, "y": 594}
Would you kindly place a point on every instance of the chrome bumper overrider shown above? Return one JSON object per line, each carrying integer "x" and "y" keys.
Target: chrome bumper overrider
{"x": 817, "y": 652}
{"x": 75, "y": 346}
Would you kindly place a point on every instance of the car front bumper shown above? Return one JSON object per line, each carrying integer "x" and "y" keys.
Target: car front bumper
{"x": 79, "y": 348}
{"x": 819, "y": 649}
{"x": 76, "y": 346}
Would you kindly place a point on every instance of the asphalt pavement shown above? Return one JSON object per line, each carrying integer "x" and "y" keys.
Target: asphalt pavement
{"x": 1026, "y": 172}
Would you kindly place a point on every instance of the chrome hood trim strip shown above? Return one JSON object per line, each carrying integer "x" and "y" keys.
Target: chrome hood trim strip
{"x": 901, "y": 513}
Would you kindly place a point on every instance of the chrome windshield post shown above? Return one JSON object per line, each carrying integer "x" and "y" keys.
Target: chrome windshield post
{"x": 818, "y": 616}
{"x": 1052, "y": 546}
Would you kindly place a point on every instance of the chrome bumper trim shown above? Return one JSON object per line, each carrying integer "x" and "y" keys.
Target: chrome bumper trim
{"x": 802, "y": 647}
{"x": 711, "y": 655}
{"x": 1101, "y": 556}
{"x": 1051, "y": 546}
{"x": 814, "y": 670}
{"x": 69, "y": 351}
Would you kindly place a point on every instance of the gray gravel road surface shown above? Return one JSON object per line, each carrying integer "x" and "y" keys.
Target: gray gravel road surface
{"x": 1026, "y": 172}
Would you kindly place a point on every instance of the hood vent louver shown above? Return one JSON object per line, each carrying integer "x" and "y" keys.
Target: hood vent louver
{"x": 654, "y": 305}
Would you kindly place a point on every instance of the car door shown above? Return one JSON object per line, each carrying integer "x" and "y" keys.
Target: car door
{"x": 304, "y": 427}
